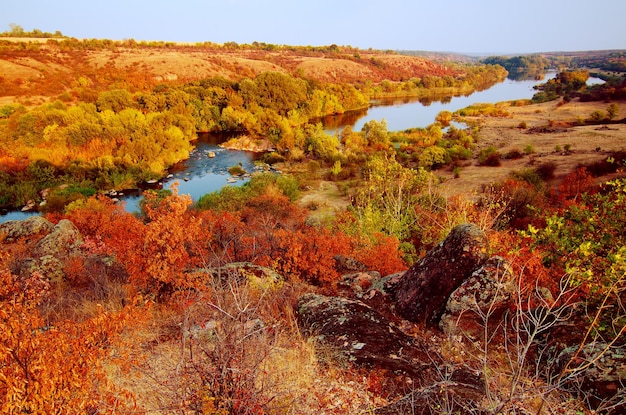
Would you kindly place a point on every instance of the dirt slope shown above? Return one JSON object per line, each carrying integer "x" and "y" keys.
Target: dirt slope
{"x": 47, "y": 69}
{"x": 588, "y": 143}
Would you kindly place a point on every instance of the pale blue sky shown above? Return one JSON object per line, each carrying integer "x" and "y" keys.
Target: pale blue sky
{"x": 468, "y": 26}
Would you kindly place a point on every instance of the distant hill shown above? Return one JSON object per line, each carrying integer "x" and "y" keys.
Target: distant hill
{"x": 39, "y": 69}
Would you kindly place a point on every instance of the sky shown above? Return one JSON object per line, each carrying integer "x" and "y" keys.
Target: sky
{"x": 461, "y": 26}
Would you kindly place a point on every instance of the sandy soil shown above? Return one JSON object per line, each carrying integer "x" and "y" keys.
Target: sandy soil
{"x": 589, "y": 143}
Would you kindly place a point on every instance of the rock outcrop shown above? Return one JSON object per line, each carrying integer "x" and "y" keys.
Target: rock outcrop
{"x": 13, "y": 230}
{"x": 48, "y": 245}
{"x": 480, "y": 299}
{"x": 361, "y": 334}
{"x": 63, "y": 238}
{"x": 598, "y": 371}
{"x": 422, "y": 292}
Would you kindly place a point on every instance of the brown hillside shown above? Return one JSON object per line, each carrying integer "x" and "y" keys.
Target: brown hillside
{"x": 32, "y": 72}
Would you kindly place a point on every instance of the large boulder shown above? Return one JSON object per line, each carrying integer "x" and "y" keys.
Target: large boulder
{"x": 61, "y": 241}
{"x": 422, "y": 292}
{"x": 480, "y": 300}
{"x": 597, "y": 371}
{"x": 361, "y": 334}
{"x": 13, "y": 230}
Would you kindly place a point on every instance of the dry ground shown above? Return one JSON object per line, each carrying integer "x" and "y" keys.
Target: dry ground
{"x": 589, "y": 143}
{"x": 36, "y": 69}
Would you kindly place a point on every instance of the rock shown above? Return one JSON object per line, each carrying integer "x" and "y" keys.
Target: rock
{"x": 362, "y": 335}
{"x": 12, "y": 230}
{"x": 344, "y": 264}
{"x": 458, "y": 394}
{"x": 61, "y": 241}
{"x": 359, "y": 282}
{"x": 422, "y": 292}
{"x": 599, "y": 372}
{"x": 488, "y": 290}
{"x": 30, "y": 205}
{"x": 48, "y": 266}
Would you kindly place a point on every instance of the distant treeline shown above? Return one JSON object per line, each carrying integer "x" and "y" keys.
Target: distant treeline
{"x": 18, "y": 31}
{"x": 573, "y": 84}
{"x": 522, "y": 67}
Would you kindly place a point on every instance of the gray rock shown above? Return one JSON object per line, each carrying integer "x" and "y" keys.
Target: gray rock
{"x": 598, "y": 372}
{"x": 61, "y": 241}
{"x": 488, "y": 290}
{"x": 361, "y": 334}
{"x": 422, "y": 292}
{"x": 48, "y": 266}
{"x": 12, "y": 230}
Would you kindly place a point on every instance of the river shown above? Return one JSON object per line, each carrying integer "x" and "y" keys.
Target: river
{"x": 403, "y": 114}
{"x": 201, "y": 174}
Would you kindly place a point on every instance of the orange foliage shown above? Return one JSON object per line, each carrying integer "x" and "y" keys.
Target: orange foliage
{"x": 163, "y": 251}
{"x": 47, "y": 369}
{"x": 106, "y": 226}
{"x": 383, "y": 255}
{"x": 575, "y": 184}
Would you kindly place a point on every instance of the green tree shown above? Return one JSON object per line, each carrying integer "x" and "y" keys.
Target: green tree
{"x": 274, "y": 90}
{"x": 612, "y": 110}
{"x": 115, "y": 100}
{"x": 376, "y": 134}
{"x": 385, "y": 203}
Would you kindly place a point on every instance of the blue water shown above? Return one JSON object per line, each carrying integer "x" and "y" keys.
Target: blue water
{"x": 405, "y": 114}
{"x": 201, "y": 174}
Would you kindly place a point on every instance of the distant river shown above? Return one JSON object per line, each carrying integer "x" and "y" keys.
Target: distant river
{"x": 201, "y": 174}
{"x": 408, "y": 113}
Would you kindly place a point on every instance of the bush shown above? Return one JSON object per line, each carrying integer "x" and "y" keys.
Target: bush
{"x": 529, "y": 149}
{"x": 513, "y": 154}
{"x": 489, "y": 157}
{"x": 236, "y": 170}
{"x": 273, "y": 158}
{"x": 546, "y": 170}
{"x": 530, "y": 176}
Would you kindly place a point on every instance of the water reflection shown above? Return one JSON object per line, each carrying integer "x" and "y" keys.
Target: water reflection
{"x": 405, "y": 113}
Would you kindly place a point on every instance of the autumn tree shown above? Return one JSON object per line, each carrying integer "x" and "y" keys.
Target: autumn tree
{"x": 53, "y": 367}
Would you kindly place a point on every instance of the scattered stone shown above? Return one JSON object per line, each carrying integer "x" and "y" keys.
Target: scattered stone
{"x": 30, "y": 205}
{"x": 422, "y": 292}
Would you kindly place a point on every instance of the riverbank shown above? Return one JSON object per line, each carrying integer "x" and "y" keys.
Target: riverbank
{"x": 548, "y": 137}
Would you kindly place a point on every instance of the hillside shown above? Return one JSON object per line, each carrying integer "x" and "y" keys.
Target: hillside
{"x": 37, "y": 71}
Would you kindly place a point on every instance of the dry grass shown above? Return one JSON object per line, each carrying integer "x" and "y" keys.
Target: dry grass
{"x": 589, "y": 143}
